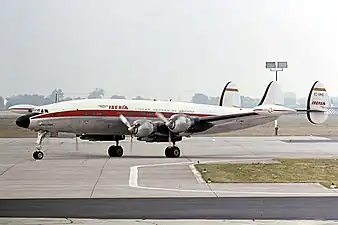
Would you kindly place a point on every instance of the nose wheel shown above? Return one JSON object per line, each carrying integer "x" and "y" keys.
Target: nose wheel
{"x": 38, "y": 155}
{"x": 172, "y": 152}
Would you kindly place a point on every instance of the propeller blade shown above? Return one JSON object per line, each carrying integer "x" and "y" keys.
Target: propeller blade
{"x": 169, "y": 137}
{"x": 125, "y": 121}
{"x": 76, "y": 143}
{"x": 131, "y": 143}
{"x": 162, "y": 117}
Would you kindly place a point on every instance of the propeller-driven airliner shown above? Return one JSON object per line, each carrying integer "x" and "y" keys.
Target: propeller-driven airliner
{"x": 25, "y": 108}
{"x": 22, "y": 108}
{"x": 163, "y": 121}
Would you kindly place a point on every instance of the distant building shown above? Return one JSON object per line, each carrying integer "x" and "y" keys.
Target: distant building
{"x": 290, "y": 99}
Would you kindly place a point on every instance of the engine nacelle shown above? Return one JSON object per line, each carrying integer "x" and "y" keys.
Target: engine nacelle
{"x": 180, "y": 123}
{"x": 143, "y": 128}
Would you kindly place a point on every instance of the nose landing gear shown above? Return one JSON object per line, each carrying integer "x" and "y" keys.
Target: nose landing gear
{"x": 38, "y": 154}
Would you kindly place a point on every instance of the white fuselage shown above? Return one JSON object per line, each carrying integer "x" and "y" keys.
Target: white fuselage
{"x": 101, "y": 116}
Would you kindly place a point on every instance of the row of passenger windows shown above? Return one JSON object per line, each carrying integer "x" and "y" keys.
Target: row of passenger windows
{"x": 133, "y": 114}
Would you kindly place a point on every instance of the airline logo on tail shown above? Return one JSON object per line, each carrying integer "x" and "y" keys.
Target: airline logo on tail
{"x": 318, "y": 103}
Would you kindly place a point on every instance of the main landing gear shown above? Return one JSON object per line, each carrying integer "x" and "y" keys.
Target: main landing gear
{"x": 38, "y": 154}
{"x": 115, "y": 151}
{"x": 172, "y": 151}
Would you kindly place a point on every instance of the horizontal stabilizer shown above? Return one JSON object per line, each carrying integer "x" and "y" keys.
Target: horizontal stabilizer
{"x": 230, "y": 96}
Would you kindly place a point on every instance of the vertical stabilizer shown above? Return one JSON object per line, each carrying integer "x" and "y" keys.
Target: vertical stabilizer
{"x": 317, "y": 104}
{"x": 230, "y": 96}
{"x": 273, "y": 95}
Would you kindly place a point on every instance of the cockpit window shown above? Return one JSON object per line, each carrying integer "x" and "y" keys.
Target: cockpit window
{"x": 46, "y": 111}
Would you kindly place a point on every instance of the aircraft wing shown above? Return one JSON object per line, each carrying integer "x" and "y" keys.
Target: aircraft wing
{"x": 227, "y": 117}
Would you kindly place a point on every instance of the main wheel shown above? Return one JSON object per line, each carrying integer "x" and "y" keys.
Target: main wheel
{"x": 119, "y": 151}
{"x": 38, "y": 155}
{"x": 172, "y": 152}
{"x": 115, "y": 151}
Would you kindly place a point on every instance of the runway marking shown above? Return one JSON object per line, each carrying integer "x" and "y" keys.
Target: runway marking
{"x": 133, "y": 183}
{"x": 196, "y": 174}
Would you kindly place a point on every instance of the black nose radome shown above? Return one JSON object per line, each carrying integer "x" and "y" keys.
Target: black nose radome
{"x": 23, "y": 121}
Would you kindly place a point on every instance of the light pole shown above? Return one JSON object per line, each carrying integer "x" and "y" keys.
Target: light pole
{"x": 276, "y": 68}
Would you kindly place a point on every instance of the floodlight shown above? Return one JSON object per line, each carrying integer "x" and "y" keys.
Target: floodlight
{"x": 282, "y": 65}
{"x": 270, "y": 65}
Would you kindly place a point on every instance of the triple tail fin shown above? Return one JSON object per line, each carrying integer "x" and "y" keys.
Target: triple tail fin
{"x": 273, "y": 95}
{"x": 230, "y": 96}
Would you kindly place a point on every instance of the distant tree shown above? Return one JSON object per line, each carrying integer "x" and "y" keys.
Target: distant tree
{"x": 140, "y": 98}
{"x": 117, "y": 97}
{"x": 200, "y": 98}
{"x": 67, "y": 99}
{"x": 97, "y": 93}
{"x": 78, "y": 98}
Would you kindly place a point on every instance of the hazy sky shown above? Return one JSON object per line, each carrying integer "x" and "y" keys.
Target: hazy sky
{"x": 166, "y": 48}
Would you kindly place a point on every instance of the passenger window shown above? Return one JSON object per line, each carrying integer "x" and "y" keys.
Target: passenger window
{"x": 86, "y": 113}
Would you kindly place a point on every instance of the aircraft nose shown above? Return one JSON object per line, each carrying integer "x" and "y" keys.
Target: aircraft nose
{"x": 23, "y": 121}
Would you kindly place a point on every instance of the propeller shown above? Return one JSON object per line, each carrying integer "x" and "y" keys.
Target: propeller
{"x": 131, "y": 129}
{"x": 167, "y": 122}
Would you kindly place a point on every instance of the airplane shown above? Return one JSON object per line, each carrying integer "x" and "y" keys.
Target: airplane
{"x": 162, "y": 121}
{"x": 25, "y": 108}
{"x": 22, "y": 108}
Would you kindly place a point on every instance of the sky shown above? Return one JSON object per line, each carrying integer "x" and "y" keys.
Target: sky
{"x": 166, "y": 49}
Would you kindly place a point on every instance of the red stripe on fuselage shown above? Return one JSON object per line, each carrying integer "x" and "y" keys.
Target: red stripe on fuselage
{"x": 110, "y": 113}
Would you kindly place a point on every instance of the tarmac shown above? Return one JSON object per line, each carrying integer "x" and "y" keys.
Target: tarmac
{"x": 83, "y": 182}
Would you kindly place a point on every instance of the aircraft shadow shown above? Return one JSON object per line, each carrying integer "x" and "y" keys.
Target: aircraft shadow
{"x": 88, "y": 156}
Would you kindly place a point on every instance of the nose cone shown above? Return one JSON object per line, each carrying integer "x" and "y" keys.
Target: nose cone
{"x": 23, "y": 121}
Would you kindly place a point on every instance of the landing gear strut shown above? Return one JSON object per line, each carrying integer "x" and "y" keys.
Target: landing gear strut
{"x": 38, "y": 154}
{"x": 172, "y": 151}
{"x": 115, "y": 150}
